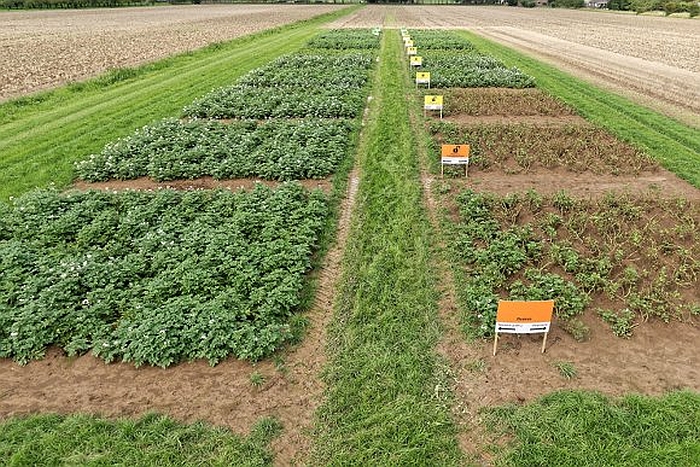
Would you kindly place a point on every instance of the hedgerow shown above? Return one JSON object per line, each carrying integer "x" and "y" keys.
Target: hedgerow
{"x": 155, "y": 277}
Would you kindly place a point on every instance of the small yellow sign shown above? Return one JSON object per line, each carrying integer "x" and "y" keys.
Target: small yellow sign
{"x": 423, "y": 77}
{"x": 408, "y": 43}
{"x": 415, "y": 60}
{"x": 433, "y": 101}
{"x": 411, "y": 50}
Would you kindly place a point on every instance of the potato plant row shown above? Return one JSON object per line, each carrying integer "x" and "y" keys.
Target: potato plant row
{"x": 630, "y": 258}
{"x": 293, "y": 86}
{"x": 453, "y": 63}
{"x": 346, "y": 39}
{"x": 175, "y": 149}
{"x": 155, "y": 277}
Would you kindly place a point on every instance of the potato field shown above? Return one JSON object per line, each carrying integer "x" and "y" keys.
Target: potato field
{"x": 261, "y": 258}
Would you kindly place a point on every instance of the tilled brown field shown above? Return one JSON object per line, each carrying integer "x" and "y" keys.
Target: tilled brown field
{"x": 43, "y": 49}
{"x": 653, "y": 60}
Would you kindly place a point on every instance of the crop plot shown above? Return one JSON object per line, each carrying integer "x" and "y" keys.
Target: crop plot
{"x": 524, "y": 148}
{"x": 506, "y": 102}
{"x": 628, "y": 258}
{"x": 294, "y": 86}
{"x": 174, "y": 149}
{"x": 453, "y": 62}
{"x": 155, "y": 278}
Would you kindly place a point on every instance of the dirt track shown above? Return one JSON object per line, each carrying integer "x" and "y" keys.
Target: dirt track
{"x": 43, "y": 49}
{"x": 652, "y": 60}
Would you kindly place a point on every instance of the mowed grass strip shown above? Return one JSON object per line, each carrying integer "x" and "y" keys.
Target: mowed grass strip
{"x": 675, "y": 145}
{"x": 42, "y": 136}
{"x": 581, "y": 429}
{"x": 152, "y": 440}
{"x": 381, "y": 405}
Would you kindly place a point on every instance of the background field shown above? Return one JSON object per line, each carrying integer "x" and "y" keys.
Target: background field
{"x": 43, "y": 49}
{"x": 652, "y": 60}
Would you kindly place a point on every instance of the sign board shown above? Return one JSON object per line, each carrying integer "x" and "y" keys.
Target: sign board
{"x": 411, "y": 50}
{"x": 408, "y": 43}
{"x": 423, "y": 77}
{"x": 532, "y": 317}
{"x": 432, "y": 103}
{"x": 376, "y": 31}
{"x": 404, "y": 32}
{"x": 454, "y": 154}
{"x": 415, "y": 60}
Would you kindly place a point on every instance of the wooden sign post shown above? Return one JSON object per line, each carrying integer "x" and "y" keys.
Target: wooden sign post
{"x": 523, "y": 318}
{"x": 454, "y": 154}
{"x": 415, "y": 60}
{"x": 423, "y": 77}
{"x": 432, "y": 103}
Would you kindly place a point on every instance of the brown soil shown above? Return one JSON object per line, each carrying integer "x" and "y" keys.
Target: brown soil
{"x": 222, "y": 395}
{"x": 533, "y": 120}
{"x": 654, "y": 61}
{"x": 490, "y": 102}
{"x": 656, "y": 359}
{"x": 204, "y": 183}
{"x": 43, "y": 49}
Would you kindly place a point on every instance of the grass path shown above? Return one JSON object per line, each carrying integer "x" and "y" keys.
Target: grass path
{"x": 42, "y": 136}
{"x": 675, "y": 145}
{"x": 382, "y": 407}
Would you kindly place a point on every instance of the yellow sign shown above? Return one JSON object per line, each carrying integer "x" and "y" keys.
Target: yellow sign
{"x": 433, "y": 100}
{"x": 531, "y": 317}
{"x": 408, "y": 43}
{"x": 411, "y": 50}
{"x": 423, "y": 77}
{"x": 415, "y": 60}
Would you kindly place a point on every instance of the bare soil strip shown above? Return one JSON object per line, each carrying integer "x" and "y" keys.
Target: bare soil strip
{"x": 44, "y": 49}
{"x": 223, "y": 395}
{"x": 203, "y": 183}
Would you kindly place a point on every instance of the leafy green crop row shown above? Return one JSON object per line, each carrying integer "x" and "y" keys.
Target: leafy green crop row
{"x": 300, "y": 85}
{"x": 155, "y": 277}
{"x": 453, "y": 63}
{"x": 174, "y": 149}
{"x": 432, "y": 39}
{"x": 638, "y": 255}
{"x": 344, "y": 39}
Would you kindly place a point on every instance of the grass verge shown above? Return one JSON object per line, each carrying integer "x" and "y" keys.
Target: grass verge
{"x": 149, "y": 441}
{"x": 675, "y": 145}
{"x": 41, "y": 136}
{"x": 381, "y": 405}
{"x": 579, "y": 429}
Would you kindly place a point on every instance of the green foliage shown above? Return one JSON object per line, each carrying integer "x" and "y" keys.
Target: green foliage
{"x": 432, "y": 39}
{"x": 585, "y": 429}
{"x": 42, "y": 136}
{"x": 567, "y": 370}
{"x": 345, "y": 39}
{"x": 174, "y": 149}
{"x": 155, "y": 278}
{"x": 300, "y": 85}
{"x": 575, "y": 252}
{"x": 470, "y": 70}
{"x": 675, "y": 145}
{"x": 380, "y": 406}
{"x": 152, "y": 440}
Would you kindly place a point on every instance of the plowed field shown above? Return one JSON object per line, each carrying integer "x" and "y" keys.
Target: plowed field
{"x": 43, "y": 49}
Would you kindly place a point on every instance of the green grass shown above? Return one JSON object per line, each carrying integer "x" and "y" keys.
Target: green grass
{"x": 41, "y": 136}
{"x": 381, "y": 407}
{"x": 675, "y": 145}
{"x": 153, "y": 440}
{"x": 580, "y": 429}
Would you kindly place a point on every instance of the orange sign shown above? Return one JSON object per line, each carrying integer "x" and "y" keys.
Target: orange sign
{"x": 455, "y": 150}
{"x": 525, "y": 312}
{"x": 523, "y": 318}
